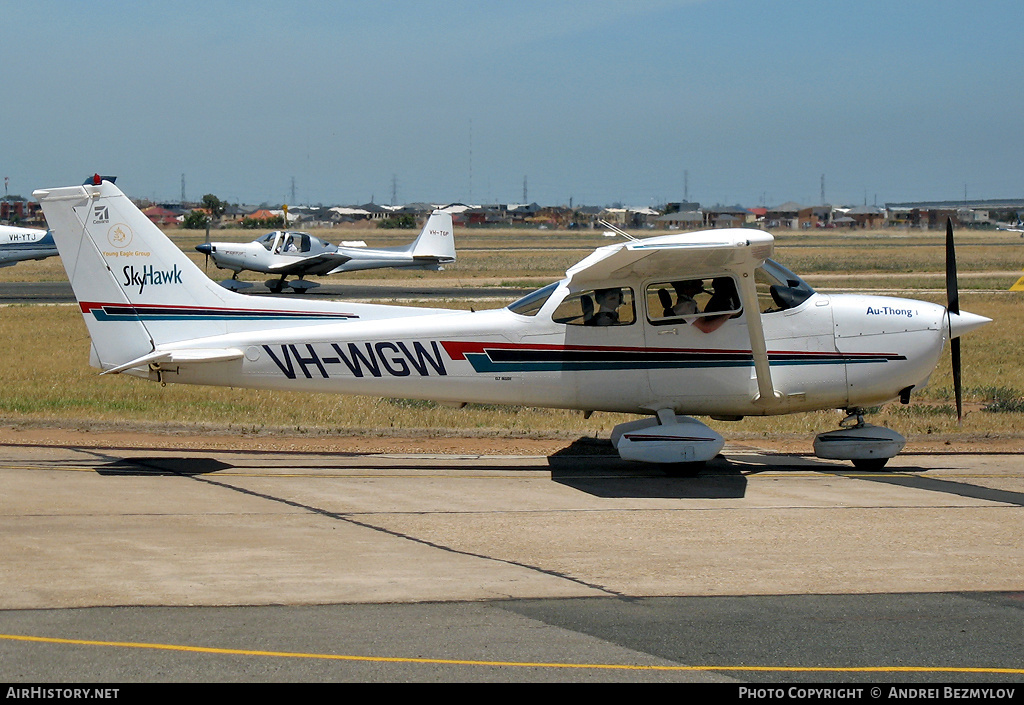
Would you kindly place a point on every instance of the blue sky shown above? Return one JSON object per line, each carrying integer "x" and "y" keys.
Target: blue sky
{"x": 602, "y": 101}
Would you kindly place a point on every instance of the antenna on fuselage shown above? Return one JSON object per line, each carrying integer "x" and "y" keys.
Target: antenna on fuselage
{"x": 616, "y": 230}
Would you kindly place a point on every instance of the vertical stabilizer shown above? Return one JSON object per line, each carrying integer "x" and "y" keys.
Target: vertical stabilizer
{"x": 437, "y": 239}
{"x": 131, "y": 281}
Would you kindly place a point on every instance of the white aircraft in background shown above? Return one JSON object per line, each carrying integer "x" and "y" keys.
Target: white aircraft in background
{"x": 771, "y": 345}
{"x": 1017, "y": 227}
{"x": 289, "y": 253}
{"x": 20, "y": 244}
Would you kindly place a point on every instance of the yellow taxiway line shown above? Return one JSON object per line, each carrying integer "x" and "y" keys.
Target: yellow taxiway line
{"x": 518, "y": 664}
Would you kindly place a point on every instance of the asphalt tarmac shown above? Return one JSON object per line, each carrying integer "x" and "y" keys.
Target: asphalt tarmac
{"x": 124, "y": 564}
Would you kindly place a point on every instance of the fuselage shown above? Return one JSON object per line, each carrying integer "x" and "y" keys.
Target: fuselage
{"x": 21, "y": 244}
{"x": 829, "y": 351}
{"x": 280, "y": 251}
{"x": 318, "y": 258}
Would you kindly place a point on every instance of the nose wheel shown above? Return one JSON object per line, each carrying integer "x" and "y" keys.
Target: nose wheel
{"x": 868, "y": 447}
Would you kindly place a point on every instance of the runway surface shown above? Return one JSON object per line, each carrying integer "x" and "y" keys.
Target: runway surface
{"x": 131, "y": 564}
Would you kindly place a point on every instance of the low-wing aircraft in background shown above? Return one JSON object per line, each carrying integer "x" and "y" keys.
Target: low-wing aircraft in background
{"x": 288, "y": 253}
{"x": 614, "y": 335}
{"x": 1017, "y": 227}
{"x": 20, "y": 244}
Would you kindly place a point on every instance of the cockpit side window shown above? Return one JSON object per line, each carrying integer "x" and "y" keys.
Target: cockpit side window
{"x": 610, "y": 306}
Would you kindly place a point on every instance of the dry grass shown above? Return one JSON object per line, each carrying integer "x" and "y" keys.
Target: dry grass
{"x": 46, "y": 377}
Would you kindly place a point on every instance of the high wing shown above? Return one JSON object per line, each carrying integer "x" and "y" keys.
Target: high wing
{"x": 738, "y": 250}
{"x": 735, "y": 250}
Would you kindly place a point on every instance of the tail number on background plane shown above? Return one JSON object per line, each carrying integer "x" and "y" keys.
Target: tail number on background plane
{"x": 376, "y": 359}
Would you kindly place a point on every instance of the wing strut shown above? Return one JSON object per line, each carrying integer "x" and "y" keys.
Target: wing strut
{"x": 766, "y": 392}
{"x": 617, "y": 231}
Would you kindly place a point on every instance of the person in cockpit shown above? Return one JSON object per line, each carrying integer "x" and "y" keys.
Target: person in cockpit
{"x": 724, "y": 298}
{"x": 686, "y": 293}
{"x": 608, "y": 302}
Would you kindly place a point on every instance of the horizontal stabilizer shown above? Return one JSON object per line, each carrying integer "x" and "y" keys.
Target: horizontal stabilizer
{"x": 198, "y": 355}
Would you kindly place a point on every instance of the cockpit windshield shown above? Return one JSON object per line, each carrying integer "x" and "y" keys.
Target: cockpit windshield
{"x": 530, "y": 304}
{"x": 268, "y": 240}
{"x": 779, "y": 288}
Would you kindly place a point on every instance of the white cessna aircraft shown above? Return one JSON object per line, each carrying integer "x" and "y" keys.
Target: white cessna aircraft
{"x": 20, "y": 244}
{"x": 289, "y": 253}
{"x": 611, "y": 336}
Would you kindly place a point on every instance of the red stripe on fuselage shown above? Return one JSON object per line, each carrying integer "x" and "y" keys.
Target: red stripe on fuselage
{"x": 457, "y": 349}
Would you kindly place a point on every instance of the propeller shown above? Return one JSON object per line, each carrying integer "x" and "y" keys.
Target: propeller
{"x": 953, "y": 309}
{"x": 207, "y": 248}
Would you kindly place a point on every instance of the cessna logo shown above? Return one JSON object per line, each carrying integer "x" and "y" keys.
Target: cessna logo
{"x": 150, "y": 276}
{"x": 100, "y": 214}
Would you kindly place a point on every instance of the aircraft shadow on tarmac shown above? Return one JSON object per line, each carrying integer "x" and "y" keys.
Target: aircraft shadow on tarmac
{"x": 592, "y": 466}
{"x": 149, "y": 467}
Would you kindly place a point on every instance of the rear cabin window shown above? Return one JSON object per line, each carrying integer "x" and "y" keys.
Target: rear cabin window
{"x": 685, "y": 300}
